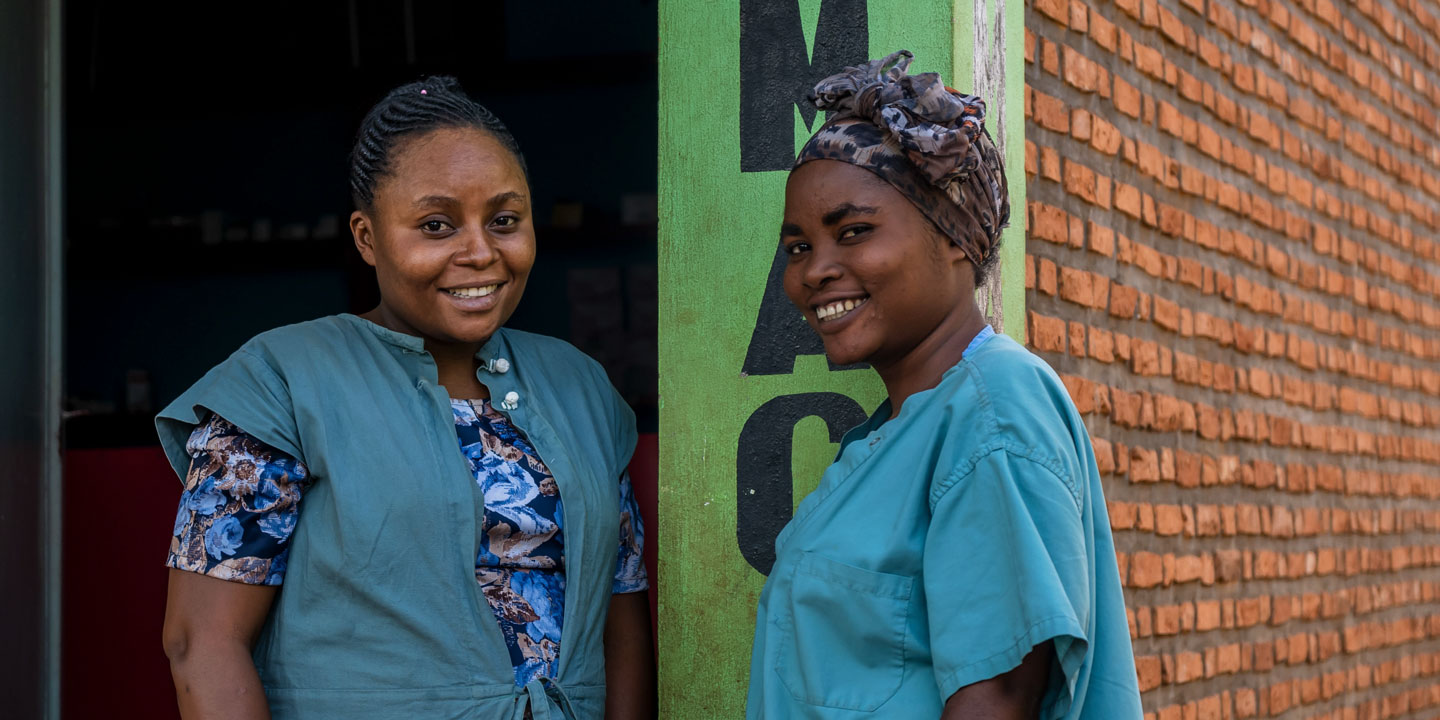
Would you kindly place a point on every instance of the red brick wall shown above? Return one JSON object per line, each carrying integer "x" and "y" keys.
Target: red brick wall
{"x": 1233, "y": 263}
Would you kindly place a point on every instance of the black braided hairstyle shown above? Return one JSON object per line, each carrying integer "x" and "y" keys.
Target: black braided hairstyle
{"x": 410, "y": 110}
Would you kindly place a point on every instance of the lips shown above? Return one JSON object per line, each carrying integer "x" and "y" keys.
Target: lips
{"x": 474, "y": 298}
{"x": 836, "y": 309}
{"x": 473, "y": 292}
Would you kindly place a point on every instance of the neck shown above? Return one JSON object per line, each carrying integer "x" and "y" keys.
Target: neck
{"x": 455, "y": 362}
{"x": 921, "y": 368}
{"x": 455, "y": 366}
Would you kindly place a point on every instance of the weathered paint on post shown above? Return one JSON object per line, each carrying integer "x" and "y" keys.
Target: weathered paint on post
{"x": 751, "y": 411}
{"x": 996, "y": 70}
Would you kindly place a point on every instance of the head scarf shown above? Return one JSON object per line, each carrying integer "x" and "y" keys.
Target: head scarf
{"x": 928, "y": 141}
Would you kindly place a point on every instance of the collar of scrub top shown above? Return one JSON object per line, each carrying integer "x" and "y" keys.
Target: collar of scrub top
{"x": 490, "y": 354}
{"x": 985, "y": 333}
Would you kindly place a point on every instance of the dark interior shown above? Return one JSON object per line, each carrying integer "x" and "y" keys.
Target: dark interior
{"x": 207, "y": 197}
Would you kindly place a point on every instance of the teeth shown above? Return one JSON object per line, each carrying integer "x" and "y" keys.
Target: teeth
{"x": 473, "y": 292}
{"x": 837, "y": 309}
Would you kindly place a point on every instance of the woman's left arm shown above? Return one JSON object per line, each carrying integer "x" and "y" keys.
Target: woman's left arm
{"x": 629, "y": 659}
{"x": 1014, "y": 695}
{"x": 1003, "y": 620}
{"x": 629, "y": 648}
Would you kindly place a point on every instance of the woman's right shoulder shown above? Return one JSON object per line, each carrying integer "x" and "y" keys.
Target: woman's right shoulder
{"x": 320, "y": 338}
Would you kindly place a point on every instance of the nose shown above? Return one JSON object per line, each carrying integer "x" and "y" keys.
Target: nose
{"x": 821, "y": 267}
{"x": 477, "y": 249}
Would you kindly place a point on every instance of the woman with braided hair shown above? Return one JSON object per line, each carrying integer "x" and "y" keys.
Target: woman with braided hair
{"x": 955, "y": 560}
{"x": 443, "y": 499}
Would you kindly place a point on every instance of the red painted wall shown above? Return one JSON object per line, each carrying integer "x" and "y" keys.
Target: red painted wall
{"x": 119, "y": 505}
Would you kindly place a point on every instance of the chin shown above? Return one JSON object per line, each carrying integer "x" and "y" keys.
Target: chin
{"x": 461, "y": 331}
{"x": 844, "y": 354}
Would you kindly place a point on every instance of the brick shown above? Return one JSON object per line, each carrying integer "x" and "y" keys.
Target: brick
{"x": 1075, "y": 286}
{"x": 1168, "y": 520}
{"x": 1047, "y": 333}
{"x": 1123, "y": 301}
{"x": 1057, "y": 10}
{"x": 1101, "y": 344}
{"x": 1080, "y": 72}
{"x": 1101, "y": 240}
{"x": 1149, "y": 61}
{"x": 1080, "y": 181}
{"x": 1126, "y": 98}
{"x": 1079, "y": 16}
{"x": 1167, "y": 314}
{"x": 1146, "y": 570}
{"x": 1050, "y": 113}
{"x": 1104, "y": 136}
{"x": 1080, "y": 124}
{"x": 1049, "y": 56}
{"x": 1049, "y": 223}
{"x": 1147, "y": 667}
{"x": 1189, "y": 666}
{"x": 1127, "y": 199}
{"x": 1102, "y": 32}
{"x": 1045, "y": 276}
{"x": 1050, "y": 164}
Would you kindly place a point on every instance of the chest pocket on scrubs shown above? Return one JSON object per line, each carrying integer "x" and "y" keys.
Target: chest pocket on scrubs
{"x": 842, "y": 638}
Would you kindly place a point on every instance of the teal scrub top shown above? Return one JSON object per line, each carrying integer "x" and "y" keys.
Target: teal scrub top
{"x": 939, "y": 549}
{"x": 380, "y": 616}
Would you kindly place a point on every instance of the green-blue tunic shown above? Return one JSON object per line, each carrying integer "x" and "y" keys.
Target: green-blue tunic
{"x": 939, "y": 548}
{"x": 381, "y": 617}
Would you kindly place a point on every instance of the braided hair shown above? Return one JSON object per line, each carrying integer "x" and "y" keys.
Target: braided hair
{"x": 410, "y": 110}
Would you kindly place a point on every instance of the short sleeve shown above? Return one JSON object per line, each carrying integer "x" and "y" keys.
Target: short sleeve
{"x": 630, "y": 561}
{"x": 244, "y": 389}
{"x": 240, "y": 506}
{"x": 1006, "y": 568}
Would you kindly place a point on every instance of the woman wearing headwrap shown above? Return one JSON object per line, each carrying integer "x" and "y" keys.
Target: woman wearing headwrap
{"x": 955, "y": 560}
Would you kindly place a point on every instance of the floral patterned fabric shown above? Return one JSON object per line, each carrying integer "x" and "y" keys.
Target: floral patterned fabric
{"x": 239, "y": 508}
{"x": 521, "y": 561}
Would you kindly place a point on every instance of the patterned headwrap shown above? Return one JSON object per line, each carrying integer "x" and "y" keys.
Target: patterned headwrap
{"x": 926, "y": 140}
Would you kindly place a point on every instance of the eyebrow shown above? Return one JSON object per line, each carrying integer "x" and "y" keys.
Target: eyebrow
{"x": 507, "y": 197}
{"x": 500, "y": 199}
{"x": 431, "y": 200}
{"x": 845, "y": 210}
{"x": 830, "y": 219}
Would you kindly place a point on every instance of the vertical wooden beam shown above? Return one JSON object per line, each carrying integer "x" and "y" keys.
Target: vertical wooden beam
{"x": 989, "y": 37}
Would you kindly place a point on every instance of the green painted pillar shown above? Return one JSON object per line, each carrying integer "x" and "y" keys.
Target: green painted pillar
{"x": 751, "y": 412}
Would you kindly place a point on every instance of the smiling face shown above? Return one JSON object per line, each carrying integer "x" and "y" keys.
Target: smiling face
{"x": 869, "y": 272}
{"x": 450, "y": 236}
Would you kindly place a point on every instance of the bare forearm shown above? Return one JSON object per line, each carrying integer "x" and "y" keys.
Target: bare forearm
{"x": 988, "y": 708}
{"x": 629, "y": 659}
{"x": 1014, "y": 695}
{"x": 217, "y": 681}
{"x": 210, "y": 626}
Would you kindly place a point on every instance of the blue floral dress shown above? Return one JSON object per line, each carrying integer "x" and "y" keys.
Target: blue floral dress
{"x": 242, "y": 501}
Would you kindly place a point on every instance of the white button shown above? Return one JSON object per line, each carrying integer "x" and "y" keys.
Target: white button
{"x": 500, "y": 365}
{"x": 511, "y": 401}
